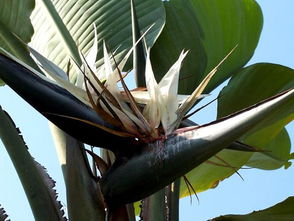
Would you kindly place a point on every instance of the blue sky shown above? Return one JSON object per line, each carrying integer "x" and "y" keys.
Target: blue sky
{"x": 260, "y": 188}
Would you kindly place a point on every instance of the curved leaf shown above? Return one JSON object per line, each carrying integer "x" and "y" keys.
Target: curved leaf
{"x": 163, "y": 161}
{"x": 255, "y": 83}
{"x": 15, "y": 14}
{"x": 209, "y": 29}
{"x": 247, "y": 87}
{"x": 182, "y": 31}
{"x": 251, "y": 85}
{"x": 14, "y": 20}
{"x": 281, "y": 211}
{"x": 276, "y": 154}
{"x": 41, "y": 196}
{"x": 112, "y": 19}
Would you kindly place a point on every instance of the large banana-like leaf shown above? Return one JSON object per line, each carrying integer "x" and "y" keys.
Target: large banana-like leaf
{"x": 209, "y": 29}
{"x": 112, "y": 19}
{"x": 40, "y": 193}
{"x": 158, "y": 164}
{"x": 15, "y": 21}
{"x": 247, "y": 87}
{"x": 15, "y": 16}
{"x": 250, "y": 86}
{"x": 281, "y": 211}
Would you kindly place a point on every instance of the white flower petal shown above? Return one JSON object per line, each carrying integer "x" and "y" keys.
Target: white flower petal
{"x": 151, "y": 111}
{"x": 92, "y": 55}
{"x": 168, "y": 89}
{"x": 48, "y": 65}
{"x": 77, "y": 92}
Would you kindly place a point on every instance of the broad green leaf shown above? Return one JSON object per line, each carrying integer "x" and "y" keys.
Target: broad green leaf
{"x": 210, "y": 30}
{"x": 40, "y": 193}
{"x": 246, "y": 88}
{"x": 277, "y": 151}
{"x": 112, "y": 19}
{"x": 251, "y": 85}
{"x": 280, "y": 212}
{"x": 14, "y": 14}
{"x": 15, "y": 21}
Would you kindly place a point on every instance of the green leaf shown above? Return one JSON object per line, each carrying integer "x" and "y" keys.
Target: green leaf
{"x": 247, "y": 87}
{"x": 164, "y": 161}
{"x": 276, "y": 155}
{"x": 282, "y": 211}
{"x": 112, "y": 19}
{"x": 210, "y": 30}
{"x": 15, "y": 21}
{"x": 15, "y": 15}
{"x": 253, "y": 84}
{"x": 40, "y": 193}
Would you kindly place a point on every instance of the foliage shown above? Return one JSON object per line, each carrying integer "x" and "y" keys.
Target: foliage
{"x": 143, "y": 135}
{"x": 280, "y": 211}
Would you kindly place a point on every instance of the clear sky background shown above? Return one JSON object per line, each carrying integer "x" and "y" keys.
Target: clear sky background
{"x": 260, "y": 189}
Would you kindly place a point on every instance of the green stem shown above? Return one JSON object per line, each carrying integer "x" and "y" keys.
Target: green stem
{"x": 63, "y": 32}
{"x": 173, "y": 194}
{"x": 163, "y": 205}
{"x": 131, "y": 212}
{"x": 154, "y": 207}
{"x": 84, "y": 198}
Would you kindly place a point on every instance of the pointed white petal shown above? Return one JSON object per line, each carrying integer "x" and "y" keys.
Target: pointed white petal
{"x": 151, "y": 111}
{"x": 48, "y": 65}
{"x": 92, "y": 55}
{"x": 168, "y": 88}
{"x": 77, "y": 92}
{"x": 188, "y": 104}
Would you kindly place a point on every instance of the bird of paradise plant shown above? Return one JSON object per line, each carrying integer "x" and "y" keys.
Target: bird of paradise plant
{"x": 146, "y": 130}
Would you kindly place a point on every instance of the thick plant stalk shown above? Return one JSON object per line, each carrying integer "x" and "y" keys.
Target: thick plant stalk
{"x": 84, "y": 198}
{"x": 173, "y": 194}
{"x": 160, "y": 163}
{"x": 154, "y": 207}
{"x": 162, "y": 205}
